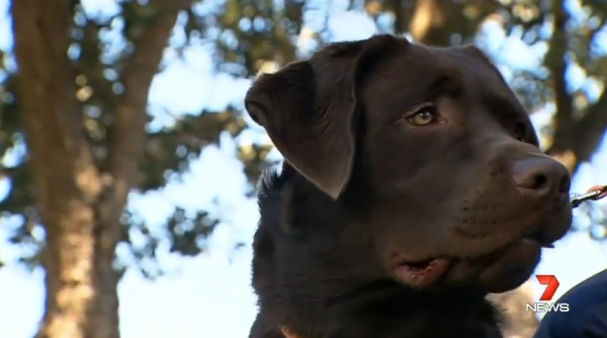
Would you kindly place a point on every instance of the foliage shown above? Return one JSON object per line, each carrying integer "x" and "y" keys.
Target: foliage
{"x": 113, "y": 55}
{"x": 246, "y": 36}
{"x": 101, "y": 45}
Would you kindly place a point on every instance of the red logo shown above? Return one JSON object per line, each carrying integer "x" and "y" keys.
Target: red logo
{"x": 552, "y": 284}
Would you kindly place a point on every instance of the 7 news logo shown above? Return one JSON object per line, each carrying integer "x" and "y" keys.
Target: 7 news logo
{"x": 545, "y": 305}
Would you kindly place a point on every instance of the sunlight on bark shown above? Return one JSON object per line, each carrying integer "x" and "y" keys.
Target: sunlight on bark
{"x": 426, "y": 15}
{"x": 71, "y": 287}
{"x": 567, "y": 158}
{"x": 520, "y": 323}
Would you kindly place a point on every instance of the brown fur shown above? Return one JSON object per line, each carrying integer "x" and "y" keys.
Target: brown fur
{"x": 366, "y": 192}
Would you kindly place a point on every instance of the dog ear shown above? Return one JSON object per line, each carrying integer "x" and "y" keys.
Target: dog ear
{"x": 475, "y": 52}
{"x": 309, "y": 109}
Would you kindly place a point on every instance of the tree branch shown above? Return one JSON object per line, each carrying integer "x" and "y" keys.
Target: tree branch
{"x": 573, "y": 141}
{"x": 401, "y": 15}
{"x": 128, "y": 137}
{"x": 590, "y": 130}
{"x": 563, "y": 123}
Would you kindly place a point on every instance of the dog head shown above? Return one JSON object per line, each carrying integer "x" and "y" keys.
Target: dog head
{"x": 431, "y": 148}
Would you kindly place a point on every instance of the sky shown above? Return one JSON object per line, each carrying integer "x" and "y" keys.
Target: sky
{"x": 210, "y": 295}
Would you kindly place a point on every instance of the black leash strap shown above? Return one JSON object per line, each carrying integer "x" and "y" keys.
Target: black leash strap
{"x": 594, "y": 194}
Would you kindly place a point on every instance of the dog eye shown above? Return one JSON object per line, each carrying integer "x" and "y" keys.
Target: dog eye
{"x": 423, "y": 116}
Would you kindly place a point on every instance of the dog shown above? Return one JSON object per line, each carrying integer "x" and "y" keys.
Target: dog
{"x": 413, "y": 185}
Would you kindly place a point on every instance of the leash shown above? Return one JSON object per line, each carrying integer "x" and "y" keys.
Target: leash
{"x": 595, "y": 193}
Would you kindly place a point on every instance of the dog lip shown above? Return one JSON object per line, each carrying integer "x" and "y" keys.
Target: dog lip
{"x": 491, "y": 256}
{"x": 423, "y": 273}
{"x": 421, "y": 263}
{"x": 428, "y": 272}
{"x": 539, "y": 237}
{"x": 400, "y": 260}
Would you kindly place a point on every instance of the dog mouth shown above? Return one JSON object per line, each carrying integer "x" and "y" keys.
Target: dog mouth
{"x": 508, "y": 259}
{"x": 429, "y": 272}
{"x": 423, "y": 273}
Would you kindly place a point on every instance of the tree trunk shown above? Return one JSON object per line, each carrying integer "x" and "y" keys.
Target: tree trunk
{"x": 81, "y": 295}
{"x": 79, "y": 204}
{"x": 80, "y": 283}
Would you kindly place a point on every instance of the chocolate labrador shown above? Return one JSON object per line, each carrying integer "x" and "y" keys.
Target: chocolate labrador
{"x": 412, "y": 186}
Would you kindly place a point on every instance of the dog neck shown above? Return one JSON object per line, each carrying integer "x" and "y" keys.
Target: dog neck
{"x": 306, "y": 281}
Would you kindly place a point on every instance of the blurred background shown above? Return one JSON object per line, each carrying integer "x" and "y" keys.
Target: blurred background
{"x": 128, "y": 167}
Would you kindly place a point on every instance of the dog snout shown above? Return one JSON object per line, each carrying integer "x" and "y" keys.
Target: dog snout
{"x": 541, "y": 176}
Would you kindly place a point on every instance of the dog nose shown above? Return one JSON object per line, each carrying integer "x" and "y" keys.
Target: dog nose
{"x": 541, "y": 175}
